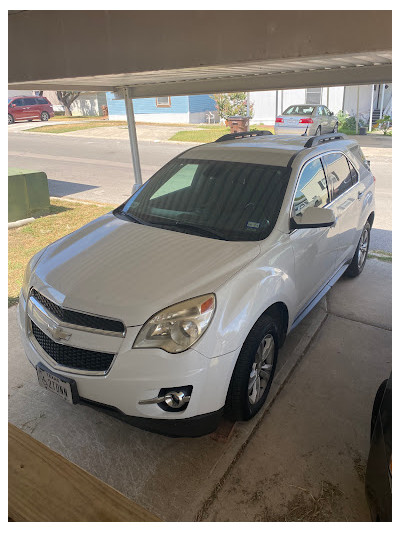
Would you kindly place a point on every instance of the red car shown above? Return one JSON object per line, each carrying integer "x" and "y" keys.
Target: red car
{"x": 29, "y": 108}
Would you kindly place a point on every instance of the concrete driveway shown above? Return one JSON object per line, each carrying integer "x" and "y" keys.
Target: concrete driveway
{"x": 301, "y": 458}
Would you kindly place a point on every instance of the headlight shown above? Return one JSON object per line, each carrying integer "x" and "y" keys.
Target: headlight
{"x": 176, "y": 328}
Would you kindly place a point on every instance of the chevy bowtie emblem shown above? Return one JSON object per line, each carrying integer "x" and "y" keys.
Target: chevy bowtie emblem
{"x": 58, "y": 333}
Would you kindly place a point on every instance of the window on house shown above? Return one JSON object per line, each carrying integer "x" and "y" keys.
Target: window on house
{"x": 313, "y": 95}
{"x": 163, "y": 101}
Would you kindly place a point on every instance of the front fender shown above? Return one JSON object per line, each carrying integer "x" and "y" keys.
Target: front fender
{"x": 240, "y": 303}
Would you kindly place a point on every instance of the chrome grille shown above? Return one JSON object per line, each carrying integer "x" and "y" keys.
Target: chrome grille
{"x": 78, "y": 318}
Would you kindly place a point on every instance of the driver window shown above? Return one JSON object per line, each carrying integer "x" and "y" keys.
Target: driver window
{"x": 312, "y": 189}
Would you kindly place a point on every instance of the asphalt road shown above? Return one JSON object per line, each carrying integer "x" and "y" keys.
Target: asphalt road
{"x": 100, "y": 170}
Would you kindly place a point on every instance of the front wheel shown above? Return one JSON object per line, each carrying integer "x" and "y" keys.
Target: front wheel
{"x": 360, "y": 255}
{"x": 10, "y": 119}
{"x": 335, "y": 129}
{"x": 44, "y": 116}
{"x": 254, "y": 371}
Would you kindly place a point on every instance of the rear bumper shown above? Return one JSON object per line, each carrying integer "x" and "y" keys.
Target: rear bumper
{"x": 286, "y": 130}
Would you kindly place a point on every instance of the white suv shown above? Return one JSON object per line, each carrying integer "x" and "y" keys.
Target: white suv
{"x": 170, "y": 310}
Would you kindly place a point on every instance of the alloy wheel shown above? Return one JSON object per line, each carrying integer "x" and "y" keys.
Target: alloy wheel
{"x": 261, "y": 371}
{"x": 363, "y": 248}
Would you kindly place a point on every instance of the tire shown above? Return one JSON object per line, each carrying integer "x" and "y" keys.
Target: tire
{"x": 248, "y": 388}
{"x": 44, "y": 116}
{"x": 360, "y": 255}
{"x": 335, "y": 129}
{"x": 377, "y": 403}
{"x": 318, "y": 132}
{"x": 10, "y": 119}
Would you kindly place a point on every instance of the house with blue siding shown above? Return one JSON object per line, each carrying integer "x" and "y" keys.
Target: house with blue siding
{"x": 191, "y": 109}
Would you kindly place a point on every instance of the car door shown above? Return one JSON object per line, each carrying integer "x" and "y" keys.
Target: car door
{"x": 314, "y": 249}
{"x": 343, "y": 181}
{"x": 18, "y": 109}
{"x": 31, "y": 108}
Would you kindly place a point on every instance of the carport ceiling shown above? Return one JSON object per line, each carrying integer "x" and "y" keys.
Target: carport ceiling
{"x": 190, "y": 52}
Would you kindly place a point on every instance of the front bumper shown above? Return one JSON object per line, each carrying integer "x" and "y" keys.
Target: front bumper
{"x": 139, "y": 374}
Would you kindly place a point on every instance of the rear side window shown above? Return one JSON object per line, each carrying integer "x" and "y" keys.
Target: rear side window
{"x": 360, "y": 157}
{"x": 312, "y": 189}
{"x": 353, "y": 173}
{"x": 338, "y": 173}
{"x": 30, "y": 101}
{"x": 41, "y": 100}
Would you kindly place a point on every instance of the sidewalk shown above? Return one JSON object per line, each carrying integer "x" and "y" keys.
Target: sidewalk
{"x": 313, "y": 431}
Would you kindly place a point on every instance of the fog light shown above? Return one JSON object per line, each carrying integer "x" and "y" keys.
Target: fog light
{"x": 176, "y": 399}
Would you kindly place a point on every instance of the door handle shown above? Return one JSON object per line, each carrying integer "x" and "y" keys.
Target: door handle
{"x": 360, "y": 194}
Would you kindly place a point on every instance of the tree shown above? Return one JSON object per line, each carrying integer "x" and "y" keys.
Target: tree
{"x": 67, "y": 98}
{"x": 232, "y": 104}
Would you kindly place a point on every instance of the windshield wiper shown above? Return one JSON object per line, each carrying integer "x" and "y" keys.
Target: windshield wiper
{"x": 204, "y": 232}
{"x": 131, "y": 217}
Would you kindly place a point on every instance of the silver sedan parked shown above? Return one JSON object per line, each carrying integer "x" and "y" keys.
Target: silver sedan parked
{"x": 306, "y": 120}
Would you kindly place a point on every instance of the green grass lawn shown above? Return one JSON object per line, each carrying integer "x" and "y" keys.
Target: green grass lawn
{"x": 64, "y": 128}
{"x": 208, "y": 134}
{"x": 25, "y": 241}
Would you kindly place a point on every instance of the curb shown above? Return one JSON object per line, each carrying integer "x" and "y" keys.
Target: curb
{"x": 19, "y": 223}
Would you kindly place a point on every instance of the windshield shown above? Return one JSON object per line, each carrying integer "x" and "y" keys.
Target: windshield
{"x": 9, "y": 100}
{"x": 216, "y": 199}
{"x": 299, "y": 110}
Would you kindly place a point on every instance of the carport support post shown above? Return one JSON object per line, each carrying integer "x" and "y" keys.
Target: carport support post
{"x": 358, "y": 107}
{"x": 133, "y": 140}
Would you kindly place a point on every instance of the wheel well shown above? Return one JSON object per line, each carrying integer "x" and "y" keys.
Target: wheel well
{"x": 280, "y": 312}
{"x": 370, "y": 219}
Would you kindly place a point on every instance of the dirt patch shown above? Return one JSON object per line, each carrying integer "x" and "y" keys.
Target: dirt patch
{"x": 304, "y": 506}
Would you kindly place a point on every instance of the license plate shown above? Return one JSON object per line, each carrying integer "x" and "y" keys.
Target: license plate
{"x": 63, "y": 387}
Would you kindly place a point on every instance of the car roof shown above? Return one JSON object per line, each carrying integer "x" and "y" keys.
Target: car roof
{"x": 278, "y": 150}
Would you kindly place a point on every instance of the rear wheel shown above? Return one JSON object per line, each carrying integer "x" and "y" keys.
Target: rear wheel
{"x": 10, "y": 119}
{"x": 360, "y": 255}
{"x": 335, "y": 129}
{"x": 254, "y": 370}
{"x": 318, "y": 132}
{"x": 44, "y": 116}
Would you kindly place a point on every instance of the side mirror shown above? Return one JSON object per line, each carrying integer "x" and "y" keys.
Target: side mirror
{"x": 13, "y": 105}
{"x": 313, "y": 217}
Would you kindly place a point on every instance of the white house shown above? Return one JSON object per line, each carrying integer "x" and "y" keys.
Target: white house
{"x": 269, "y": 104}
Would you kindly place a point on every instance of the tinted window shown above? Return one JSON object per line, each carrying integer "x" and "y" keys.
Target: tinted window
{"x": 217, "y": 199}
{"x": 320, "y": 111}
{"x": 41, "y": 100}
{"x": 312, "y": 189}
{"x": 338, "y": 173}
{"x": 353, "y": 173}
{"x": 30, "y": 101}
{"x": 19, "y": 102}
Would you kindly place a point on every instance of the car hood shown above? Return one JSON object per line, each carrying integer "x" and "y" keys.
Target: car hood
{"x": 123, "y": 270}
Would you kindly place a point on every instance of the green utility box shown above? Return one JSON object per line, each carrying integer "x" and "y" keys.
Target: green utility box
{"x": 28, "y": 193}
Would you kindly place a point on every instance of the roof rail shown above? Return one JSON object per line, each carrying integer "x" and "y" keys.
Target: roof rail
{"x": 319, "y": 139}
{"x": 242, "y": 135}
